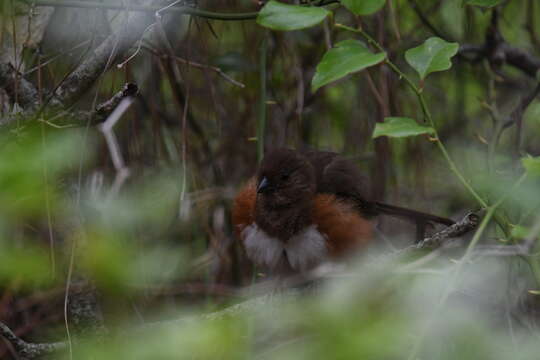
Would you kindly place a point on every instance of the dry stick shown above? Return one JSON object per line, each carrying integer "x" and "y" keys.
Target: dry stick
{"x": 113, "y": 47}
{"x": 122, "y": 171}
{"x": 469, "y": 222}
{"x": 29, "y": 350}
{"x": 84, "y": 75}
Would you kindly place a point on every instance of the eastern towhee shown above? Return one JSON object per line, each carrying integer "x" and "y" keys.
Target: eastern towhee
{"x": 304, "y": 208}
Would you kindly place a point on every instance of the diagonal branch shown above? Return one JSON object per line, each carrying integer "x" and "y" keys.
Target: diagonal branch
{"x": 29, "y": 350}
{"x": 468, "y": 223}
{"x": 104, "y": 56}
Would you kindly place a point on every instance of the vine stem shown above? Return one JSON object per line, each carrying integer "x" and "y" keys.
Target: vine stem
{"x": 179, "y": 9}
{"x": 427, "y": 114}
{"x": 535, "y": 267}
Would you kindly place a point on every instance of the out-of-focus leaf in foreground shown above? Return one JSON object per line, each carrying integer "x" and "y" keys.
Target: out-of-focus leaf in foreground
{"x": 190, "y": 339}
{"x": 29, "y": 167}
{"x": 29, "y": 266}
{"x": 125, "y": 248}
{"x": 532, "y": 165}
{"x": 377, "y": 312}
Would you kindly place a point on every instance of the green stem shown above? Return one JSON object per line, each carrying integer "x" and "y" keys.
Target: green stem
{"x": 173, "y": 9}
{"x": 261, "y": 124}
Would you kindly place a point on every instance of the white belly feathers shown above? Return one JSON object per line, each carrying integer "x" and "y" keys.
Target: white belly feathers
{"x": 302, "y": 251}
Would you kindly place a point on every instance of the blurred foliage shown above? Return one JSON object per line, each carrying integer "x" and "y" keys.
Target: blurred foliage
{"x": 154, "y": 238}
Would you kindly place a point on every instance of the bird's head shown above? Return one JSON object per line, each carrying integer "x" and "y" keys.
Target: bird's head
{"x": 285, "y": 177}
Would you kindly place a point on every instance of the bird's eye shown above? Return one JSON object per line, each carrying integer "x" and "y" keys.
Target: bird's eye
{"x": 285, "y": 177}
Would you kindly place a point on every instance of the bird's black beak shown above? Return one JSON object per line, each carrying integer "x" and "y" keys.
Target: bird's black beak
{"x": 264, "y": 186}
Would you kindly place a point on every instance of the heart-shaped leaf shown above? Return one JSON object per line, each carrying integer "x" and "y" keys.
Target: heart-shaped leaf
{"x": 433, "y": 55}
{"x": 284, "y": 17}
{"x": 532, "y": 165}
{"x": 363, "y": 7}
{"x": 484, "y": 3}
{"x": 346, "y": 57}
{"x": 400, "y": 127}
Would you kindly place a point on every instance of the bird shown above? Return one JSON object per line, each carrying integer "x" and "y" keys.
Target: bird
{"x": 303, "y": 209}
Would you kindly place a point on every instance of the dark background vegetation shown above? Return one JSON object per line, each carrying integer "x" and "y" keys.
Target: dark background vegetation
{"x": 133, "y": 223}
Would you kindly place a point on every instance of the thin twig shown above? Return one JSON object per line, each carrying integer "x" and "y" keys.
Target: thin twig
{"x": 197, "y": 65}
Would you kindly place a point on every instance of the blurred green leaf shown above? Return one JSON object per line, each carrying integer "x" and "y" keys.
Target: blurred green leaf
{"x": 433, "y": 55}
{"x": 519, "y": 231}
{"x": 400, "y": 127}
{"x": 118, "y": 263}
{"x": 363, "y": 7}
{"x": 532, "y": 165}
{"x": 29, "y": 165}
{"x": 30, "y": 265}
{"x": 107, "y": 259}
{"x": 346, "y": 57}
{"x": 149, "y": 205}
{"x": 484, "y": 3}
{"x": 284, "y": 17}
{"x": 203, "y": 340}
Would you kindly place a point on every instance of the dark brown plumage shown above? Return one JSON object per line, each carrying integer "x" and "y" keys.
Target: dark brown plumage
{"x": 305, "y": 208}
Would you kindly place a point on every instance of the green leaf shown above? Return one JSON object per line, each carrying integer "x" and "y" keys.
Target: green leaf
{"x": 433, "y": 55}
{"x": 400, "y": 127}
{"x": 484, "y": 3}
{"x": 278, "y": 16}
{"x": 519, "y": 232}
{"x": 363, "y": 7}
{"x": 532, "y": 165}
{"x": 346, "y": 57}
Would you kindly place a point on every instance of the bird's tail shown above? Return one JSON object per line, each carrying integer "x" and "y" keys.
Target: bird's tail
{"x": 412, "y": 215}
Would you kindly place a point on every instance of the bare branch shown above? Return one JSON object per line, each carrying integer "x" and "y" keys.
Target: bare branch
{"x": 29, "y": 350}
{"x": 460, "y": 228}
{"x": 104, "y": 56}
{"x": 104, "y": 109}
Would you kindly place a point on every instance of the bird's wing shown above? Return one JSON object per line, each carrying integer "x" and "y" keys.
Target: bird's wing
{"x": 341, "y": 177}
{"x": 243, "y": 211}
